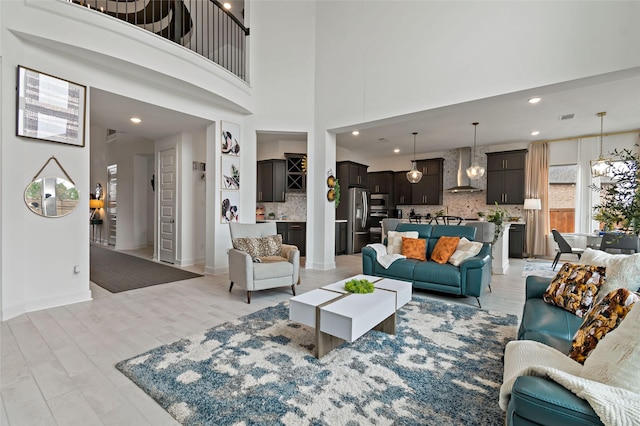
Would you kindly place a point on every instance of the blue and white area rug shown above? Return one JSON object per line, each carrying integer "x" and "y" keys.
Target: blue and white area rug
{"x": 540, "y": 267}
{"x": 442, "y": 367}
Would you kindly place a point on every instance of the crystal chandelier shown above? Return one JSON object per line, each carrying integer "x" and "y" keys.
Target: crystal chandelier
{"x": 601, "y": 166}
{"x": 475, "y": 171}
{"x": 414, "y": 175}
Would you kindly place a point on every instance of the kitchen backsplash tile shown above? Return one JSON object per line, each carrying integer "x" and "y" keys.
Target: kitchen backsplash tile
{"x": 294, "y": 208}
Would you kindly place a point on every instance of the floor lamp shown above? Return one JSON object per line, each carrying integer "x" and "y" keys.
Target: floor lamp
{"x": 531, "y": 204}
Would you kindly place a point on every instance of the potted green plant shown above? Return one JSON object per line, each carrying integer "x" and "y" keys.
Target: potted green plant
{"x": 481, "y": 215}
{"x": 619, "y": 206}
{"x": 498, "y": 216}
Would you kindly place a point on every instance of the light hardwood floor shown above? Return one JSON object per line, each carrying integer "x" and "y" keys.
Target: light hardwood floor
{"x": 57, "y": 364}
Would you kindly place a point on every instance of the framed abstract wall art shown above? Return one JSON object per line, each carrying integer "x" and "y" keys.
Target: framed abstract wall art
{"x": 50, "y": 108}
{"x": 230, "y": 139}
{"x": 229, "y": 201}
{"x": 230, "y": 173}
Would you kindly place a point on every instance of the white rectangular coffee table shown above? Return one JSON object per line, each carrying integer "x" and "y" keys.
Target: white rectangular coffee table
{"x": 339, "y": 316}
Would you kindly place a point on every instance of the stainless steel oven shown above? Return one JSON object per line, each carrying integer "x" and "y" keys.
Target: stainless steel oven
{"x": 376, "y": 225}
{"x": 379, "y": 203}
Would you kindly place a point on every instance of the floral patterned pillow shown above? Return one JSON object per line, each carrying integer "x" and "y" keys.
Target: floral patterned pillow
{"x": 575, "y": 287}
{"x": 270, "y": 245}
{"x": 444, "y": 248}
{"x": 603, "y": 318}
{"x": 414, "y": 248}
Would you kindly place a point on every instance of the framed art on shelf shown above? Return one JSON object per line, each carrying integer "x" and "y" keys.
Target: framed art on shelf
{"x": 229, "y": 206}
{"x": 230, "y": 171}
{"x": 230, "y": 139}
{"x": 50, "y": 108}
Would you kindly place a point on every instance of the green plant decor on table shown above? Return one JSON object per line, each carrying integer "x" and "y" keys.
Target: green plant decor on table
{"x": 619, "y": 206}
{"x": 498, "y": 216}
{"x": 336, "y": 188}
{"x": 359, "y": 286}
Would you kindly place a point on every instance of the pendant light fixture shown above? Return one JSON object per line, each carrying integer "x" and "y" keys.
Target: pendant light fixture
{"x": 601, "y": 166}
{"x": 414, "y": 175}
{"x": 475, "y": 171}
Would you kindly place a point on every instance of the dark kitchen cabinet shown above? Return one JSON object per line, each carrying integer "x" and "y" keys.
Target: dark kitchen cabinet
{"x": 505, "y": 177}
{"x": 351, "y": 174}
{"x": 294, "y": 233}
{"x": 341, "y": 237}
{"x": 517, "y": 240}
{"x": 296, "y": 175}
{"x": 271, "y": 181}
{"x": 401, "y": 189}
{"x": 429, "y": 190}
{"x": 380, "y": 182}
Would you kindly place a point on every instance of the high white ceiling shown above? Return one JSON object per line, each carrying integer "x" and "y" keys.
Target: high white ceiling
{"x": 503, "y": 119}
{"x": 507, "y": 118}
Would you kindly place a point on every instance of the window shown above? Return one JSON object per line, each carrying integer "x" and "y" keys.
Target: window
{"x": 562, "y": 197}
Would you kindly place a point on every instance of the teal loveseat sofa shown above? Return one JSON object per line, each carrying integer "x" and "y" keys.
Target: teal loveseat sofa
{"x": 471, "y": 278}
{"x": 538, "y": 400}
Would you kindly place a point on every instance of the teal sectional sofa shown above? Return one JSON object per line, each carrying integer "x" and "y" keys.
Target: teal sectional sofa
{"x": 538, "y": 400}
{"x": 471, "y": 278}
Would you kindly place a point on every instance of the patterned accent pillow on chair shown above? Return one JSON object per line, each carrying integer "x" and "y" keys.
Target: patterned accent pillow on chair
{"x": 444, "y": 248}
{"x": 259, "y": 247}
{"x": 575, "y": 287}
{"x": 414, "y": 248}
{"x": 603, "y": 318}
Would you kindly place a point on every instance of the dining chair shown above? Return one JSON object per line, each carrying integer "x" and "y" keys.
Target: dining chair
{"x": 448, "y": 220}
{"x": 563, "y": 247}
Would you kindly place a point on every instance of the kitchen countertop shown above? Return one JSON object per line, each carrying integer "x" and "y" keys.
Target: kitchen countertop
{"x": 279, "y": 220}
{"x": 293, "y": 220}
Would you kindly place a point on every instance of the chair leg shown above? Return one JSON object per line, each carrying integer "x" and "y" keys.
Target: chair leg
{"x": 478, "y": 300}
{"x": 231, "y": 286}
{"x": 248, "y": 297}
{"x": 490, "y": 291}
{"x": 555, "y": 261}
{"x": 293, "y": 289}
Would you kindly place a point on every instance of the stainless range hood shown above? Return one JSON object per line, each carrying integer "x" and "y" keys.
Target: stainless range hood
{"x": 463, "y": 183}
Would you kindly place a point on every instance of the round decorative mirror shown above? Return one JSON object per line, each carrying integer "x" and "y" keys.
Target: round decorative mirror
{"x": 51, "y": 196}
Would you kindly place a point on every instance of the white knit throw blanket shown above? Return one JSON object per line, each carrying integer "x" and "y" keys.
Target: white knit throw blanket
{"x": 609, "y": 380}
{"x": 382, "y": 257}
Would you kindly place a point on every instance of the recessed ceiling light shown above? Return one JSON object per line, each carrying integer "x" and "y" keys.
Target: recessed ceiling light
{"x": 535, "y": 133}
{"x": 396, "y": 150}
{"x": 355, "y": 133}
{"x": 227, "y": 5}
{"x": 534, "y": 100}
{"x": 135, "y": 120}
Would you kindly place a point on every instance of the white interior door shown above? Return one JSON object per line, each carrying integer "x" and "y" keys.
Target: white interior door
{"x": 167, "y": 186}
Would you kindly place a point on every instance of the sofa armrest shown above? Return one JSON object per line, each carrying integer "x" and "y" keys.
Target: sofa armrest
{"x": 240, "y": 268}
{"x": 368, "y": 260}
{"x": 536, "y": 286}
{"x": 476, "y": 273}
{"x": 288, "y": 249}
{"x": 538, "y": 400}
{"x": 292, "y": 253}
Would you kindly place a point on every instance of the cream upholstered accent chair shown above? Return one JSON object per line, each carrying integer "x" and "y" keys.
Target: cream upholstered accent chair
{"x": 279, "y": 270}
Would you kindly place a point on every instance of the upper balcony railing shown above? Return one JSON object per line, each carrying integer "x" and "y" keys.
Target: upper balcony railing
{"x": 203, "y": 26}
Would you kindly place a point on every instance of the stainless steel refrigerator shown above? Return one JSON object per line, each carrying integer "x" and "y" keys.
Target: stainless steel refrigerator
{"x": 357, "y": 219}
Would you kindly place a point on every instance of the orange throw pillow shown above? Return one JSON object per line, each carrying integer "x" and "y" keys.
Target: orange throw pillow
{"x": 414, "y": 248}
{"x": 444, "y": 248}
